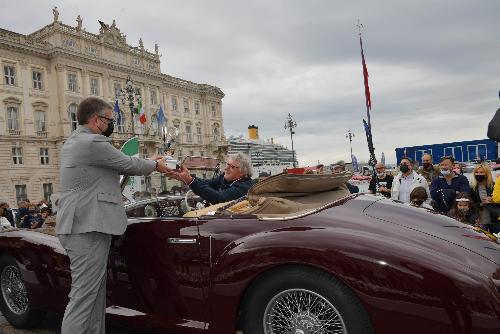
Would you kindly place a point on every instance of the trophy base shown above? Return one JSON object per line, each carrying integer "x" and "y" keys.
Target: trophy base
{"x": 171, "y": 162}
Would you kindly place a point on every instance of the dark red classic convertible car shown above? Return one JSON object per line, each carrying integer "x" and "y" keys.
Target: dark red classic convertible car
{"x": 299, "y": 255}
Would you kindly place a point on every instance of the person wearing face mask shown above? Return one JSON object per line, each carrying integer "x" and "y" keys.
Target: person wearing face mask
{"x": 419, "y": 198}
{"x": 428, "y": 170}
{"x": 406, "y": 180}
{"x": 481, "y": 186}
{"x": 445, "y": 187}
{"x": 90, "y": 210}
{"x": 464, "y": 210}
{"x": 383, "y": 179}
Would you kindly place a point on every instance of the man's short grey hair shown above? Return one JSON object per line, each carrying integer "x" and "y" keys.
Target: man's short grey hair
{"x": 244, "y": 162}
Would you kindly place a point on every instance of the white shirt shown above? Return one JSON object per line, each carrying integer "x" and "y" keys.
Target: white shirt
{"x": 4, "y": 223}
{"x": 405, "y": 188}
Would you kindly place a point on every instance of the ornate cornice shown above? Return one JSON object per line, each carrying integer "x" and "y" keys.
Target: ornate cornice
{"x": 33, "y": 44}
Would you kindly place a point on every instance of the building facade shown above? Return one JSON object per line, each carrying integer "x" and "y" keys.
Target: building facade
{"x": 47, "y": 73}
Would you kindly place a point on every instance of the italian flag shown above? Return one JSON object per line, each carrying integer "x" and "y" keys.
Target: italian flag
{"x": 131, "y": 148}
{"x": 142, "y": 113}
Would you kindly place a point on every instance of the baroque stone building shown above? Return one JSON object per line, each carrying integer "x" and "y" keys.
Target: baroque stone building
{"x": 47, "y": 73}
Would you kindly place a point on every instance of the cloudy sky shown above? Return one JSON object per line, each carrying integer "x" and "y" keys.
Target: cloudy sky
{"x": 434, "y": 65}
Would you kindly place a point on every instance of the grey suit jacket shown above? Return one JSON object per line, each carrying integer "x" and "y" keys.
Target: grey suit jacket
{"x": 90, "y": 169}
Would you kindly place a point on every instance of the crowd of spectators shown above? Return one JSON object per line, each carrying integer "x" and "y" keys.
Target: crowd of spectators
{"x": 445, "y": 189}
{"x": 28, "y": 215}
{"x": 441, "y": 187}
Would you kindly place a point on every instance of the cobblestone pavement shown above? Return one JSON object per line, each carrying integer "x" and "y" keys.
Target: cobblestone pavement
{"x": 50, "y": 325}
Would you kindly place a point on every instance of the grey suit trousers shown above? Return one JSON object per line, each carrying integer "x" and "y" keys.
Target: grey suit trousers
{"x": 88, "y": 254}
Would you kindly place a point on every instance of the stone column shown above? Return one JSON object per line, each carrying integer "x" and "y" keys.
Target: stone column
{"x": 27, "y": 115}
{"x": 105, "y": 88}
{"x": 61, "y": 85}
{"x": 85, "y": 91}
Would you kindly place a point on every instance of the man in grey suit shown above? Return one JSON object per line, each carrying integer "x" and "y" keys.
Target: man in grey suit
{"x": 90, "y": 210}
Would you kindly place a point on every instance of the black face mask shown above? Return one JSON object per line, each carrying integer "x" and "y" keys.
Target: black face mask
{"x": 427, "y": 165}
{"x": 404, "y": 168}
{"x": 109, "y": 130}
{"x": 480, "y": 178}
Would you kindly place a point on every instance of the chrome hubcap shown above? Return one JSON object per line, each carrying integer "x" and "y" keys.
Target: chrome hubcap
{"x": 13, "y": 290}
{"x": 300, "y": 311}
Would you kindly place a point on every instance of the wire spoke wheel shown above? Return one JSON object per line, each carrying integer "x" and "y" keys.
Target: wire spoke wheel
{"x": 300, "y": 311}
{"x": 14, "y": 291}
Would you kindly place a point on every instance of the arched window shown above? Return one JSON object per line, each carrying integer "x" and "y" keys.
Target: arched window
{"x": 72, "y": 116}
{"x": 40, "y": 121}
{"x": 13, "y": 115}
{"x": 12, "y": 119}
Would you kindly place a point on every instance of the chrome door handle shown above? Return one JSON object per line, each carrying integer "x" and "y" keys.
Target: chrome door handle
{"x": 181, "y": 240}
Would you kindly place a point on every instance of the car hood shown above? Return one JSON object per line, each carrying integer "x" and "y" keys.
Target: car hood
{"x": 433, "y": 228}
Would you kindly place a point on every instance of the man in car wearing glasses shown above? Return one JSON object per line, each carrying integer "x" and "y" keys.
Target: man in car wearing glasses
{"x": 232, "y": 184}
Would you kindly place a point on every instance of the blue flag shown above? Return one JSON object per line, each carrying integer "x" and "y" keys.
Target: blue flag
{"x": 355, "y": 165}
{"x": 367, "y": 128}
{"x": 160, "y": 116}
{"x": 116, "y": 109}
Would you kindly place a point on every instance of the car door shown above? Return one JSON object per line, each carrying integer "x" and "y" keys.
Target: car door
{"x": 155, "y": 272}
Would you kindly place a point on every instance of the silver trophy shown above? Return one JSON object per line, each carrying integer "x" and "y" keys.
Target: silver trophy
{"x": 170, "y": 140}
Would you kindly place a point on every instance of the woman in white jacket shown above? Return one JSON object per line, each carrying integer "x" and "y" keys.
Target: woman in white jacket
{"x": 4, "y": 223}
{"x": 407, "y": 180}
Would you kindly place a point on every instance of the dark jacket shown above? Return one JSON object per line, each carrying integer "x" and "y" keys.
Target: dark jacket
{"x": 352, "y": 188}
{"x": 444, "y": 194}
{"x": 218, "y": 190}
{"x": 474, "y": 194}
{"x": 31, "y": 219}
{"x": 388, "y": 184}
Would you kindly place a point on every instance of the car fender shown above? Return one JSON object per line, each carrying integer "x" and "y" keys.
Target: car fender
{"x": 387, "y": 274}
{"x": 43, "y": 264}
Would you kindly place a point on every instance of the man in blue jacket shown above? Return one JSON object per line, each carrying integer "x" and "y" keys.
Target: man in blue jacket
{"x": 233, "y": 184}
{"x": 445, "y": 187}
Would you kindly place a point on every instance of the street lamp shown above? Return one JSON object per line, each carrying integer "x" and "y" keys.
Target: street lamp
{"x": 132, "y": 95}
{"x": 350, "y": 135}
{"x": 291, "y": 124}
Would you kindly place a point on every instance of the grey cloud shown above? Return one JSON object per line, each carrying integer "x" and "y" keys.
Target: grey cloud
{"x": 433, "y": 65}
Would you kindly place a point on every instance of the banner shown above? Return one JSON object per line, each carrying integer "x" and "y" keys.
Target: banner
{"x": 131, "y": 148}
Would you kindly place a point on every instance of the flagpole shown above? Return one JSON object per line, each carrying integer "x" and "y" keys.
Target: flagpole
{"x": 368, "y": 125}
{"x": 365, "y": 77}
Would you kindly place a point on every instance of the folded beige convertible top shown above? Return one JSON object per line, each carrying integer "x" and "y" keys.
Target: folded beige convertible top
{"x": 282, "y": 195}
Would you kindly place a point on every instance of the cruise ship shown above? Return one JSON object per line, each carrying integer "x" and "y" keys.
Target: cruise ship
{"x": 267, "y": 157}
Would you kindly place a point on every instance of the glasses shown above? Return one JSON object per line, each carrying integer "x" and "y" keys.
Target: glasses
{"x": 231, "y": 166}
{"x": 110, "y": 120}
